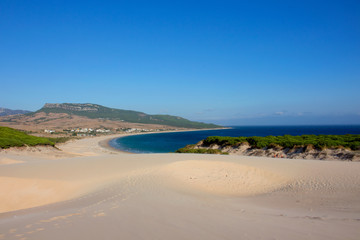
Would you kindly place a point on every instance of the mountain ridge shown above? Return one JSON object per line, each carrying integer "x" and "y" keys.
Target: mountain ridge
{"x": 95, "y": 111}
{"x": 8, "y": 112}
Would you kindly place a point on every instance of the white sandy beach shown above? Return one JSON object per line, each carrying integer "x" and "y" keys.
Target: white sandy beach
{"x": 91, "y": 192}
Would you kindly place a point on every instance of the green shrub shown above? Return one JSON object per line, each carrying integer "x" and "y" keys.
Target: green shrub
{"x": 350, "y": 141}
{"x": 59, "y": 139}
{"x": 188, "y": 149}
{"x": 10, "y": 137}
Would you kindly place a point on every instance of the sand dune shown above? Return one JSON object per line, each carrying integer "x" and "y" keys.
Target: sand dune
{"x": 6, "y": 160}
{"x": 21, "y": 193}
{"x": 90, "y": 192}
{"x": 223, "y": 178}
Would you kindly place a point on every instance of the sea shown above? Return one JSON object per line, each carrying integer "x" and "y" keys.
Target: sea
{"x": 170, "y": 142}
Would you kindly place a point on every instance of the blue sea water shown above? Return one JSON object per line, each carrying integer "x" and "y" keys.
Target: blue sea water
{"x": 170, "y": 142}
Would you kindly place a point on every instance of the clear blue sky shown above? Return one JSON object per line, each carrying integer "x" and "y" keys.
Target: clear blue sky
{"x": 227, "y": 62}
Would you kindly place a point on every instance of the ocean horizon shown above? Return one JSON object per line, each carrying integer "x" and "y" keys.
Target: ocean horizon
{"x": 171, "y": 141}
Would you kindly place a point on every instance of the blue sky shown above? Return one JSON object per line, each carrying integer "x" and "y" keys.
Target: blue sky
{"x": 227, "y": 62}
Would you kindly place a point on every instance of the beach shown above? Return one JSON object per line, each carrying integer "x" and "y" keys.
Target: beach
{"x": 90, "y": 191}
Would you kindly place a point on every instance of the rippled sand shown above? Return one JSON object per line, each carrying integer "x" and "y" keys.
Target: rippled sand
{"x": 90, "y": 192}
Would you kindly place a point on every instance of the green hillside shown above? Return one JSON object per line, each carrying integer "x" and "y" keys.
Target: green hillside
{"x": 98, "y": 111}
{"x": 10, "y": 137}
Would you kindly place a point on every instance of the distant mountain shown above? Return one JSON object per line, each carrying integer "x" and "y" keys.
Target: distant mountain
{"x": 7, "y": 112}
{"x": 95, "y": 111}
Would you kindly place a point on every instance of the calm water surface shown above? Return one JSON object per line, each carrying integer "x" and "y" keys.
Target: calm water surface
{"x": 170, "y": 142}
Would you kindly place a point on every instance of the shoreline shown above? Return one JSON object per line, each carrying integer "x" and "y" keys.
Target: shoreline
{"x": 106, "y": 143}
{"x": 93, "y": 193}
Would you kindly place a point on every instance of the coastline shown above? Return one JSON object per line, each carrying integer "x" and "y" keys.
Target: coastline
{"x": 95, "y": 192}
{"x": 106, "y": 143}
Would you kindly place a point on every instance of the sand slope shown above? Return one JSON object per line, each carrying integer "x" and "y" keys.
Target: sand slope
{"x": 96, "y": 193}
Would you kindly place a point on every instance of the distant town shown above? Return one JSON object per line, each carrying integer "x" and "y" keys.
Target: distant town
{"x": 84, "y": 132}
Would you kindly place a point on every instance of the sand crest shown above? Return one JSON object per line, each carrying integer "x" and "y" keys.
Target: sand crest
{"x": 224, "y": 178}
{"x": 91, "y": 192}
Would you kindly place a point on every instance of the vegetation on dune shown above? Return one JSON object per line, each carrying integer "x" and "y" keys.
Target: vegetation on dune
{"x": 190, "y": 149}
{"x": 60, "y": 139}
{"x": 308, "y": 142}
{"x": 350, "y": 141}
{"x": 10, "y": 137}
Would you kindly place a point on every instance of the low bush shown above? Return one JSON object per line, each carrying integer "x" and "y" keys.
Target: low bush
{"x": 189, "y": 149}
{"x": 350, "y": 141}
{"x": 10, "y": 137}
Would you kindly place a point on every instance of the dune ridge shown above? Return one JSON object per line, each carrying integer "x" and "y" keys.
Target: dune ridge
{"x": 92, "y": 192}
